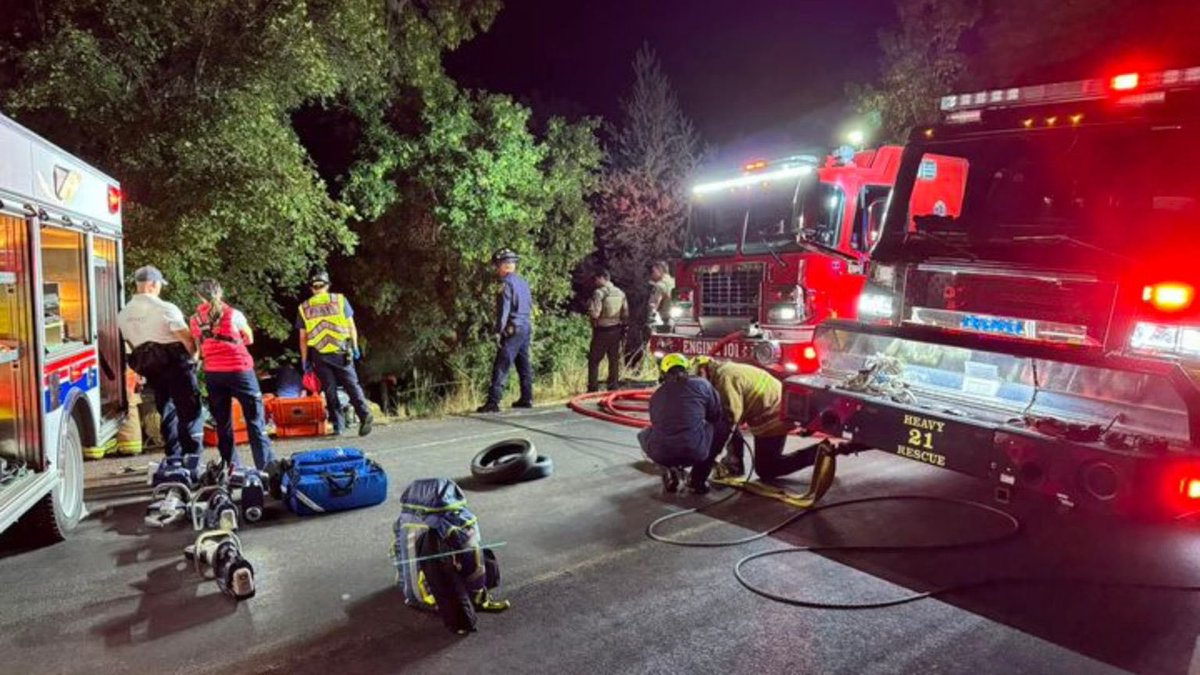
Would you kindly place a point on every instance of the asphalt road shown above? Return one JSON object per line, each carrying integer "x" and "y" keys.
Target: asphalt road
{"x": 591, "y": 594}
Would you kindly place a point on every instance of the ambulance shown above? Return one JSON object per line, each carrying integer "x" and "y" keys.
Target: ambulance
{"x": 61, "y": 362}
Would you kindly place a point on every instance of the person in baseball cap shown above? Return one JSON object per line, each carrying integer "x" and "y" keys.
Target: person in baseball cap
{"x": 513, "y": 330}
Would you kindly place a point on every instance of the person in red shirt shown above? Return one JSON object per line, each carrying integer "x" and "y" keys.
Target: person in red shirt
{"x": 223, "y": 335}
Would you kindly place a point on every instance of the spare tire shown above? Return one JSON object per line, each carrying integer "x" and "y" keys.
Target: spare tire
{"x": 505, "y": 461}
{"x": 542, "y": 468}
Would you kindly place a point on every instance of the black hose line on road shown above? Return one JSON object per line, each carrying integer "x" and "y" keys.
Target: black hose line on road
{"x": 1012, "y": 529}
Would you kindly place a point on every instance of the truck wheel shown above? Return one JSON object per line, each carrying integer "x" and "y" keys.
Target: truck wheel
{"x": 57, "y": 514}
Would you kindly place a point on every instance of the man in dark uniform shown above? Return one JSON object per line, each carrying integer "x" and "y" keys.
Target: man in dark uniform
{"x": 513, "y": 329}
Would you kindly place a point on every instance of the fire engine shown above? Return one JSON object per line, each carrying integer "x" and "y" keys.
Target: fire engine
{"x": 773, "y": 251}
{"x": 62, "y": 387}
{"x": 1045, "y": 338}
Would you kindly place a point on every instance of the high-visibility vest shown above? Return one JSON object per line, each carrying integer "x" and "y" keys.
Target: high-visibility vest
{"x": 326, "y": 323}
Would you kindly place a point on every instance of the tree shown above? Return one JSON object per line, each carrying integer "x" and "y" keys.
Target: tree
{"x": 642, "y": 199}
{"x": 440, "y": 202}
{"x": 920, "y": 61}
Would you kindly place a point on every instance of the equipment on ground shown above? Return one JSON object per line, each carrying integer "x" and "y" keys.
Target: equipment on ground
{"x": 185, "y": 470}
{"x": 506, "y": 461}
{"x": 217, "y": 554}
{"x": 440, "y": 562}
{"x": 169, "y": 505}
{"x": 329, "y": 480}
{"x": 542, "y": 468}
{"x": 213, "y": 508}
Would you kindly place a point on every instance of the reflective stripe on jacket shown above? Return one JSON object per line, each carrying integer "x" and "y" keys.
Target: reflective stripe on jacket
{"x": 326, "y": 322}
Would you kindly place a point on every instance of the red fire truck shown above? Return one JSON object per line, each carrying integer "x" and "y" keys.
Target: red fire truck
{"x": 779, "y": 248}
{"x": 1046, "y": 338}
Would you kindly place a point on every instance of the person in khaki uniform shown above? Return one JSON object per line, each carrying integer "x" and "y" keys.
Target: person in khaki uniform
{"x": 662, "y": 286}
{"x": 609, "y": 311}
{"x": 754, "y": 397}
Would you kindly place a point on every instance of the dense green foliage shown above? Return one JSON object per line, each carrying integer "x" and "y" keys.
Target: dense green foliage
{"x": 196, "y": 107}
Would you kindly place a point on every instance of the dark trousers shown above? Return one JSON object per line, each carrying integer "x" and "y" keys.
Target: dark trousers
{"x": 701, "y": 469}
{"x": 513, "y": 349}
{"x": 337, "y": 370}
{"x": 177, "y": 399}
{"x": 606, "y": 343}
{"x": 769, "y": 459}
{"x": 223, "y": 388}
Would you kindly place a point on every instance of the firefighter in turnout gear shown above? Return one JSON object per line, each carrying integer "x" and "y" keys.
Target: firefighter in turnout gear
{"x": 329, "y": 345}
{"x": 754, "y": 397}
{"x": 513, "y": 330}
{"x": 609, "y": 311}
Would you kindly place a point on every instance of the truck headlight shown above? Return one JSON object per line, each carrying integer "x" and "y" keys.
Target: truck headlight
{"x": 1165, "y": 339}
{"x": 875, "y": 306}
{"x": 678, "y": 309}
{"x": 785, "y": 313}
{"x": 767, "y": 352}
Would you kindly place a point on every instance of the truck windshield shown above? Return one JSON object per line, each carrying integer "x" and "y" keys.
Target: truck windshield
{"x": 1074, "y": 195}
{"x": 766, "y": 213}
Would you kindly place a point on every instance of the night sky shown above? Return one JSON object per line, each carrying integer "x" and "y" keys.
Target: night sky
{"x": 758, "y": 77}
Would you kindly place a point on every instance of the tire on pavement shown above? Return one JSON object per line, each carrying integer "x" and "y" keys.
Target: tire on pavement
{"x": 542, "y": 468}
{"x": 505, "y": 461}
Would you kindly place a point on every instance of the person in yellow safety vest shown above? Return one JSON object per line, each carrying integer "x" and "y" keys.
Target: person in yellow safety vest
{"x": 329, "y": 345}
{"x": 754, "y": 397}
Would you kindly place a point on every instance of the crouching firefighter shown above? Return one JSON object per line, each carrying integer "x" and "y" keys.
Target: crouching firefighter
{"x": 754, "y": 397}
{"x": 687, "y": 428}
{"x": 440, "y": 563}
{"x": 329, "y": 345}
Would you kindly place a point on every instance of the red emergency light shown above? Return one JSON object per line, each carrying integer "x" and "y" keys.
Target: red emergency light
{"x": 114, "y": 199}
{"x": 1169, "y": 297}
{"x": 1124, "y": 82}
{"x": 1122, "y": 87}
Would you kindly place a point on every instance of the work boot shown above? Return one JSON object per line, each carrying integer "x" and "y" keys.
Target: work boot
{"x": 731, "y": 466}
{"x": 364, "y": 427}
{"x": 523, "y": 404}
{"x": 671, "y": 478}
{"x": 488, "y": 408}
{"x": 697, "y": 489}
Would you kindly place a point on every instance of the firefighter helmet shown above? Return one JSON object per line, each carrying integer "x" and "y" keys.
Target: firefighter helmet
{"x": 319, "y": 277}
{"x": 673, "y": 361}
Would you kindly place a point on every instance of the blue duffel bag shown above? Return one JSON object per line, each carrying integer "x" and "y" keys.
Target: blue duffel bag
{"x": 333, "y": 479}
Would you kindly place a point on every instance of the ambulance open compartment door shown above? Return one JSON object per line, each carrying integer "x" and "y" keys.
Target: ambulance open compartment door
{"x": 106, "y": 269}
{"x": 20, "y": 409}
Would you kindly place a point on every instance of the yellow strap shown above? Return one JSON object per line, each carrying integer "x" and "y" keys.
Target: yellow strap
{"x": 824, "y": 469}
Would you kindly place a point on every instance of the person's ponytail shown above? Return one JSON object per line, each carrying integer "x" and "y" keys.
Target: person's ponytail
{"x": 210, "y": 291}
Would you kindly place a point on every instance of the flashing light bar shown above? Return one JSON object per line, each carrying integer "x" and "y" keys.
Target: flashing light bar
{"x": 1078, "y": 90}
{"x": 752, "y": 179}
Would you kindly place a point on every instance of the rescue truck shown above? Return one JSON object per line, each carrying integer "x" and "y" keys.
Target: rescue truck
{"x": 61, "y": 362}
{"x": 1045, "y": 338}
{"x": 774, "y": 251}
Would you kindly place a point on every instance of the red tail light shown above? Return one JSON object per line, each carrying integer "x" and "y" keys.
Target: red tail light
{"x": 114, "y": 199}
{"x": 1169, "y": 297}
{"x": 1189, "y": 489}
{"x": 1125, "y": 82}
